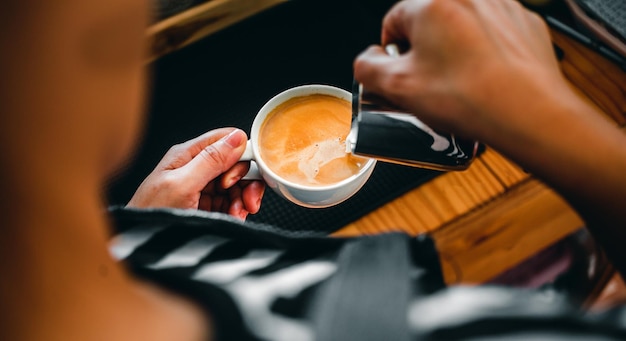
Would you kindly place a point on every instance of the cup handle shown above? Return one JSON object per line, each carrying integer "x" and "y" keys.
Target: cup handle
{"x": 247, "y": 154}
{"x": 253, "y": 173}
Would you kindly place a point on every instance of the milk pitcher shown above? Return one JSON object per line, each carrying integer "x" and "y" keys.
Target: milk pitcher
{"x": 381, "y": 131}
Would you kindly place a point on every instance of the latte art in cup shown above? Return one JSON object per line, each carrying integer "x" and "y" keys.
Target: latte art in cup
{"x": 297, "y": 146}
{"x": 303, "y": 140}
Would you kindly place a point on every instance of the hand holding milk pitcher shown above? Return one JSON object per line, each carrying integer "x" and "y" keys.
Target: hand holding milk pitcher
{"x": 385, "y": 132}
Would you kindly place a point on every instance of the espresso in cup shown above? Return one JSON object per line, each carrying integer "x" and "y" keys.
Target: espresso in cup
{"x": 297, "y": 145}
{"x": 303, "y": 140}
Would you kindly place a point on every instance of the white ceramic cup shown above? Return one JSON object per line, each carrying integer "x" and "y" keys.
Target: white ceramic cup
{"x": 303, "y": 195}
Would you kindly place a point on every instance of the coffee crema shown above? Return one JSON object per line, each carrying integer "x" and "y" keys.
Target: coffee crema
{"x": 303, "y": 140}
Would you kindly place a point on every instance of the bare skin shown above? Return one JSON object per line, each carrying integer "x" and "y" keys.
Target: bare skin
{"x": 203, "y": 173}
{"x": 71, "y": 97}
{"x": 485, "y": 69}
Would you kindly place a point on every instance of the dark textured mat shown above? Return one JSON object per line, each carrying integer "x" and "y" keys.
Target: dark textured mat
{"x": 224, "y": 80}
{"x": 386, "y": 183}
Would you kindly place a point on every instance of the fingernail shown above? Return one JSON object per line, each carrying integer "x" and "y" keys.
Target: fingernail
{"x": 230, "y": 182}
{"x": 234, "y": 139}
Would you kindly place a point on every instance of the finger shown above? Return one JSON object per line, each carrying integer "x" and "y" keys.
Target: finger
{"x": 237, "y": 210}
{"x": 205, "y": 203}
{"x": 234, "y": 174}
{"x": 218, "y": 203}
{"x": 394, "y": 28}
{"x": 252, "y": 196}
{"x": 399, "y": 22}
{"x": 370, "y": 64}
{"x": 235, "y": 206}
{"x": 210, "y": 188}
{"x": 196, "y": 145}
{"x": 225, "y": 205}
{"x": 213, "y": 160}
{"x": 381, "y": 73}
{"x": 180, "y": 154}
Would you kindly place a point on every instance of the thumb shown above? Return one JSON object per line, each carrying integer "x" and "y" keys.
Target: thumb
{"x": 215, "y": 159}
{"x": 376, "y": 70}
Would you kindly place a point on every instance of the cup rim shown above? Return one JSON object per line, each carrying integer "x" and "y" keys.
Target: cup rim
{"x": 281, "y": 97}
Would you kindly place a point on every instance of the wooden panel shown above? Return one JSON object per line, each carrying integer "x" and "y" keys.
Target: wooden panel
{"x": 507, "y": 172}
{"x": 185, "y": 28}
{"x": 602, "y": 81}
{"x": 439, "y": 201}
{"x": 482, "y": 244}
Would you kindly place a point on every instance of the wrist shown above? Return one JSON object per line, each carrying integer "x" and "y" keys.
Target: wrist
{"x": 526, "y": 110}
{"x": 562, "y": 139}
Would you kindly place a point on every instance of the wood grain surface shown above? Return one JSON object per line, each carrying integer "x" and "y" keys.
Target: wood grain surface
{"x": 199, "y": 21}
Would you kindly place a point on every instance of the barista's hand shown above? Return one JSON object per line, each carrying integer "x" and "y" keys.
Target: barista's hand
{"x": 203, "y": 173}
{"x": 466, "y": 64}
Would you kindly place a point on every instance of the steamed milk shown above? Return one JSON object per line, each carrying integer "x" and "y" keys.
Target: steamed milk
{"x": 303, "y": 140}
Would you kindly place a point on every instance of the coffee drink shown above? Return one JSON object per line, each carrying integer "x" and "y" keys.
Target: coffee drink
{"x": 303, "y": 140}
{"x": 297, "y": 145}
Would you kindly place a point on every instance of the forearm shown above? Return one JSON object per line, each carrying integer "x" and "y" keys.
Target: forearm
{"x": 579, "y": 153}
